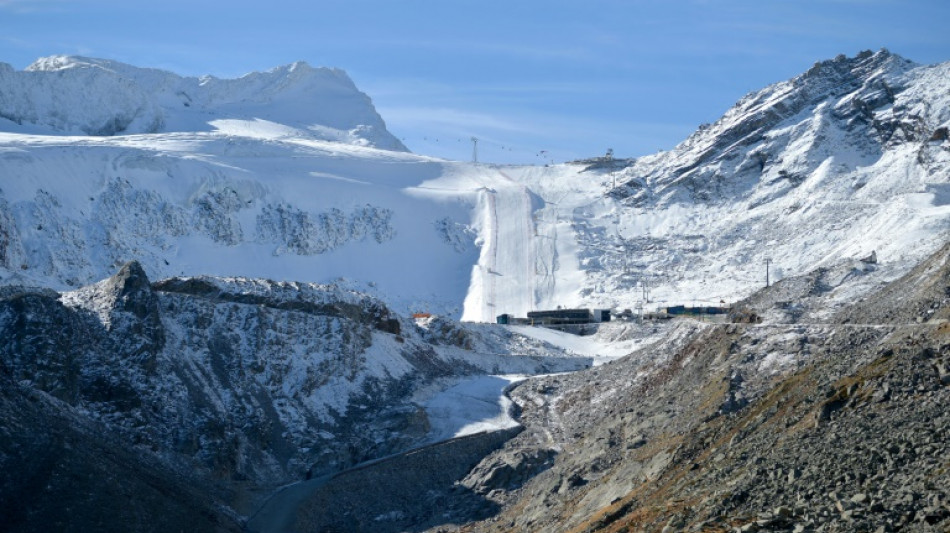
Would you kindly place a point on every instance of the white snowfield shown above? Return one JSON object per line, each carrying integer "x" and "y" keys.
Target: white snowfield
{"x": 249, "y": 180}
{"x": 423, "y": 234}
{"x": 471, "y": 406}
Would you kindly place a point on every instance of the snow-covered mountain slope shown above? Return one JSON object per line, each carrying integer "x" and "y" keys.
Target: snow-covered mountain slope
{"x": 422, "y": 234}
{"x": 80, "y": 95}
{"x": 849, "y": 158}
{"x": 74, "y": 208}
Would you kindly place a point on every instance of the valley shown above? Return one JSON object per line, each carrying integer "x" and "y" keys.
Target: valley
{"x": 243, "y": 305}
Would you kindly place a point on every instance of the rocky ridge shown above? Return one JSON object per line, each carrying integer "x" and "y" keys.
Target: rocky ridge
{"x": 776, "y": 137}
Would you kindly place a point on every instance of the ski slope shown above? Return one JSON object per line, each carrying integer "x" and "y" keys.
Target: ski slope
{"x": 503, "y": 281}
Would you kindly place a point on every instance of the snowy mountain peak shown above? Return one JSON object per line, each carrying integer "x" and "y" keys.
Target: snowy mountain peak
{"x": 782, "y": 132}
{"x": 130, "y": 280}
{"x": 125, "y": 296}
{"x": 64, "y": 62}
{"x": 304, "y": 67}
{"x": 78, "y": 95}
{"x": 863, "y": 65}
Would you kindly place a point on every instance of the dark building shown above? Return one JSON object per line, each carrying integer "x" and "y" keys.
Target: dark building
{"x": 561, "y": 316}
{"x": 557, "y": 317}
{"x": 678, "y": 310}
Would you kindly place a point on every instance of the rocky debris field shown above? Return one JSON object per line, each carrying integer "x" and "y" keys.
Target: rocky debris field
{"x": 405, "y": 492}
{"x": 834, "y": 426}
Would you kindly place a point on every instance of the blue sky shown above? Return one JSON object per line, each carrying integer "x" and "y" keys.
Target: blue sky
{"x": 571, "y": 78}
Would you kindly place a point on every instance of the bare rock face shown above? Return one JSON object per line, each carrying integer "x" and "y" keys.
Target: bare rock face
{"x": 11, "y": 251}
{"x": 305, "y": 233}
{"x": 134, "y": 310}
{"x": 509, "y": 470}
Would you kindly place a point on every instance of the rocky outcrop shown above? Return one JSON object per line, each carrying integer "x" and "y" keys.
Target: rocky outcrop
{"x": 11, "y": 252}
{"x": 305, "y": 233}
{"x": 127, "y": 220}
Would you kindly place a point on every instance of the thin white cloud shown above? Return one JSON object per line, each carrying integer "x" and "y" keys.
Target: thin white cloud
{"x": 397, "y": 93}
{"x": 520, "y": 136}
{"x": 34, "y": 6}
{"x": 15, "y": 41}
{"x": 508, "y": 49}
{"x": 447, "y": 119}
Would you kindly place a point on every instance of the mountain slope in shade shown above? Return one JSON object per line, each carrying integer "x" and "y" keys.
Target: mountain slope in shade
{"x": 249, "y": 384}
{"x": 63, "y": 472}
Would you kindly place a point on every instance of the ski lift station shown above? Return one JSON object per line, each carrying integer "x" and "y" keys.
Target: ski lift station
{"x": 558, "y": 317}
